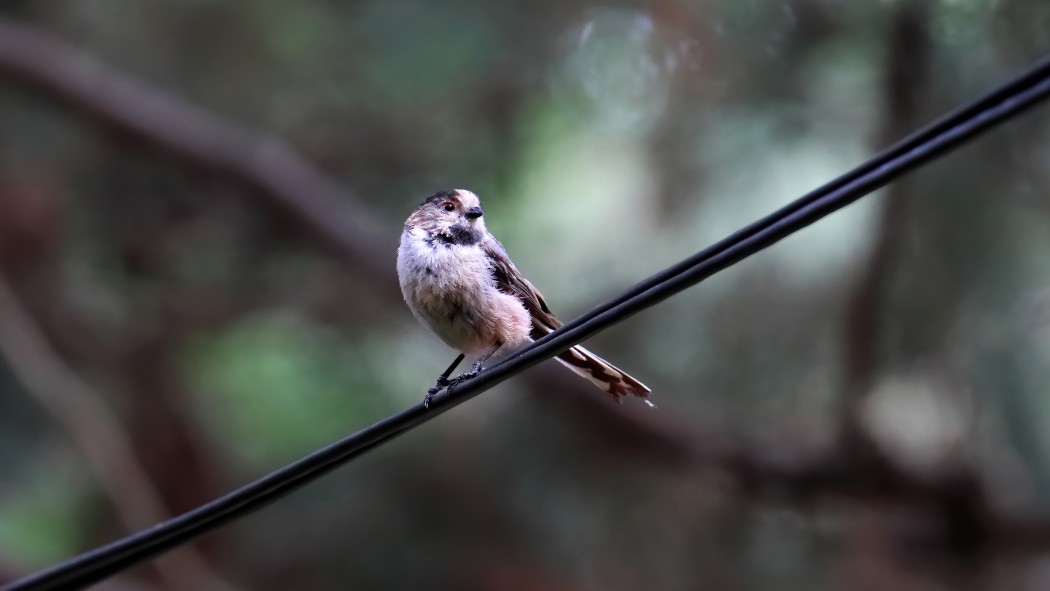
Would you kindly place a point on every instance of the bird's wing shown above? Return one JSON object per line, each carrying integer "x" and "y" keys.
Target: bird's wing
{"x": 510, "y": 281}
{"x": 603, "y": 374}
{"x": 581, "y": 361}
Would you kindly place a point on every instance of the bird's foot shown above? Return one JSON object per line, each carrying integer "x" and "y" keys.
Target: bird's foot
{"x": 473, "y": 371}
{"x": 442, "y": 383}
{"x": 447, "y": 384}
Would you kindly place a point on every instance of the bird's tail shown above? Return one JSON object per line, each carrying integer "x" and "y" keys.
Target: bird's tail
{"x": 603, "y": 374}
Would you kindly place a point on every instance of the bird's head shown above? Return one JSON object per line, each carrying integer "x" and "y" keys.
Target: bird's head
{"x": 452, "y": 216}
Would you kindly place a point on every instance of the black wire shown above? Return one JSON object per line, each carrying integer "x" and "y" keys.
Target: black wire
{"x": 1002, "y": 103}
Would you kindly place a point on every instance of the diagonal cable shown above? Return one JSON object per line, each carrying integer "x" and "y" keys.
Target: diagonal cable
{"x": 951, "y": 131}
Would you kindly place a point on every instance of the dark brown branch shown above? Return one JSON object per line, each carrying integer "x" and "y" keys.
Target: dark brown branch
{"x": 277, "y": 176}
{"x": 959, "y": 522}
{"x": 97, "y": 434}
{"x": 906, "y": 71}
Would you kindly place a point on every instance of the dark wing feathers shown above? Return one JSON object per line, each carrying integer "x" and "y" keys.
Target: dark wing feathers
{"x": 581, "y": 361}
{"x": 510, "y": 281}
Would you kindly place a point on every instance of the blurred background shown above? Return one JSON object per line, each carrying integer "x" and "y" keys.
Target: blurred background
{"x": 200, "y": 203}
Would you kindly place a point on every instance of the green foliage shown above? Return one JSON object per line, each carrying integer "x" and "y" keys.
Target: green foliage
{"x": 273, "y": 387}
{"x": 44, "y": 521}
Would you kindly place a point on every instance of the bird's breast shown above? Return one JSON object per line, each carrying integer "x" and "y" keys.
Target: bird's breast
{"x": 450, "y": 288}
{"x": 429, "y": 265}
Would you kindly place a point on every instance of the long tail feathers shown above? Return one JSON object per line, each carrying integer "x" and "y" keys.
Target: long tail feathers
{"x": 603, "y": 374}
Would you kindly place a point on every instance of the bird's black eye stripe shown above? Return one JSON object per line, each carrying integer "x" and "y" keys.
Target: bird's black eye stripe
{"x": 440, "y": 196}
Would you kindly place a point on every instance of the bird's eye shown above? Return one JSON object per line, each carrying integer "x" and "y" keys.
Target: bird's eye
{"x": 448, "y": 206}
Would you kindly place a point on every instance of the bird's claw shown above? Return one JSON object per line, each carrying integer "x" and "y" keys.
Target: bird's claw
{"x": 474, "y": 370}
{"x": 447, "y": 384}
{"x": 441, "y": 384}
{"x": 431, "y": 393}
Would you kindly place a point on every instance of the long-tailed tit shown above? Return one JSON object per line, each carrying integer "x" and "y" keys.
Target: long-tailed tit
{"x": 459, "y": 282}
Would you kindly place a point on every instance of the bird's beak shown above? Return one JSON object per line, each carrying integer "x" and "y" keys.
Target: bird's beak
{"x": 474, "y": 213}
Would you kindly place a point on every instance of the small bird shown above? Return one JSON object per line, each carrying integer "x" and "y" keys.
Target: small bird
{"x": 459, "y": 282}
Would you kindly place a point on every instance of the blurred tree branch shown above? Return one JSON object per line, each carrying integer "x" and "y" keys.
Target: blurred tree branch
{"x": 956, "y": 520}
{"x": 277, "y": 176}
{"x": 906, "y": 71}
{"x": 97, "y": 433}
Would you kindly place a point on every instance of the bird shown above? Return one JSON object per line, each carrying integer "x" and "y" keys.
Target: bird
{"x": 459, "y": 282}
